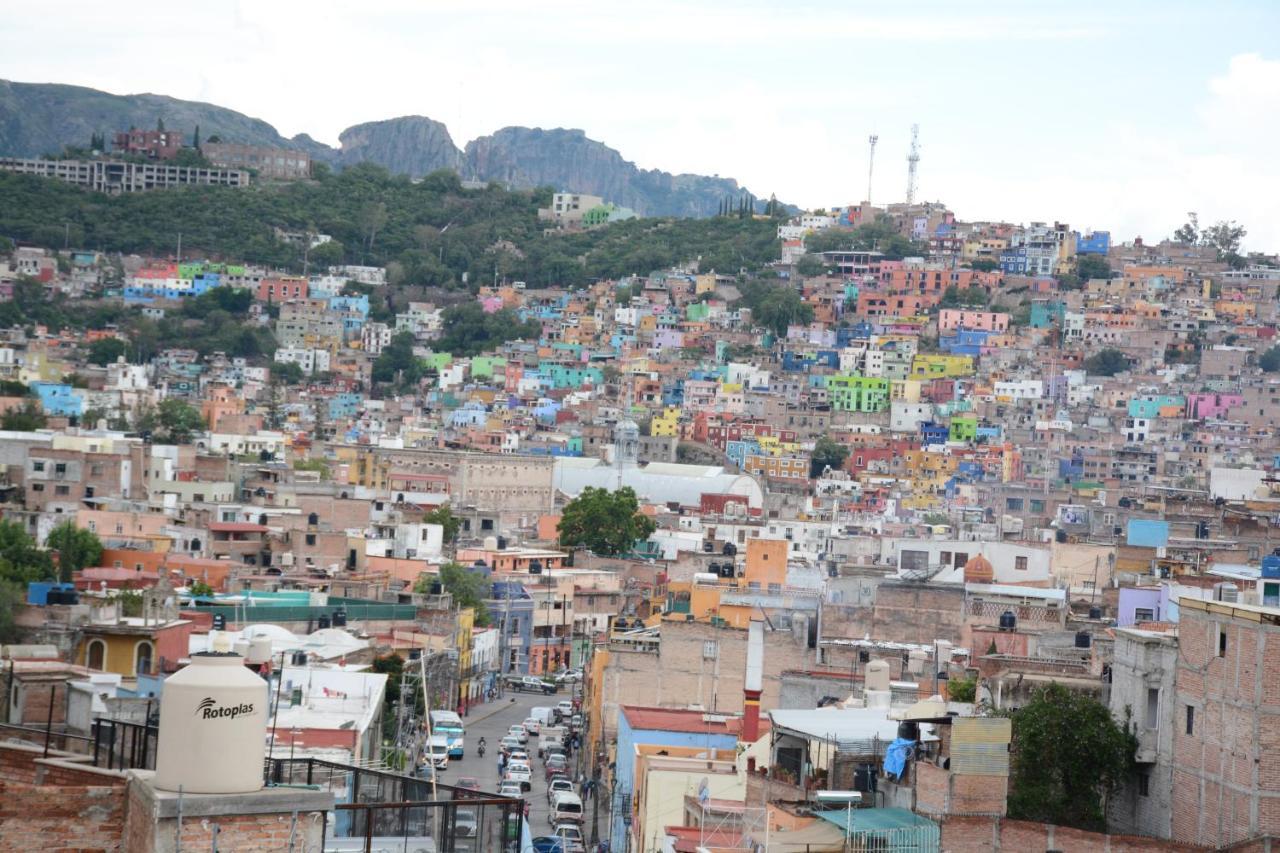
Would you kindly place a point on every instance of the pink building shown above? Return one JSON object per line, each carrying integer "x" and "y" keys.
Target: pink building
{"x": 1209, "y": 406}
{"x": 950, "y": 319}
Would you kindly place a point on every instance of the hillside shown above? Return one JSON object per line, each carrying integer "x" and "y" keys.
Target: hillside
{"x": 42, "y": 118}
{"x": 377, "y": 218}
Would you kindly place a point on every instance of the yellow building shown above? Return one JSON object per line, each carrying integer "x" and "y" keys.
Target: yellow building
{"x": 665, "y": 776}
{"x": 905, "y": 390}
{"x": 941, "y": 366}
{"x": 667, "y": 423}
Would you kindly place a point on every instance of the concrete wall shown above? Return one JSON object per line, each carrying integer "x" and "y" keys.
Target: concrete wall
{"x": 1143, "y": 662}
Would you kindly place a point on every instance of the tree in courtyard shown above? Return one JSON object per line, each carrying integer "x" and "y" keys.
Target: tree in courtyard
{"x": 25, "y": 418}
{"x": 1092, "y": 266}
{"x": 1107, "y": 362}
{"x": 77, "y": 549}
{"x": 177, "y": 420}
{"x": 827, "y": 453}
{"x": 21, "y": 561}
{"x": 443, "y": 516}
{"x": 1069, "y": 755}
{"x": 468, "y": 588}
{"x": 396, "y": 364}
{"x": 1270, "y": 360}
{"x": 105, "y": 351}
{"x": 605, "y": 522}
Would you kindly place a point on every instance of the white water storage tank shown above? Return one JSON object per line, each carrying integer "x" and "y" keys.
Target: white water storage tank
{"x": 213, "y": 727}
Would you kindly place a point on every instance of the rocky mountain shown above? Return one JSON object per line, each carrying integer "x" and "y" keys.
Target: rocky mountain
{"x": 41, "y": 118}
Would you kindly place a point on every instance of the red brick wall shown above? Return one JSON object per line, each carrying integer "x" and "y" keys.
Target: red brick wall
{"x": 66, "y": 819}
{"x": 984, "y": 835}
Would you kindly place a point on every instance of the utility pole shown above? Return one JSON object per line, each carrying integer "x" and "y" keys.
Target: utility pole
{"x": 871, "y": 165}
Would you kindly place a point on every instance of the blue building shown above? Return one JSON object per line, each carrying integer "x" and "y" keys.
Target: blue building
{"x": 1014, "y": 261}
{"x": 964, "y": 341}
{"x": 1095, "y": 243}
{"x": 58, "y": 399}
{"x": 932, "y": 433}
{"x": 511, "y": 611}
{"x": 345, "y": 405}
{"x": 659, "y": 727}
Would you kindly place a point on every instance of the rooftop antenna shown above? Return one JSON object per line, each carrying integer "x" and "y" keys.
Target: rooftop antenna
{"x": 913, "y": 161}
{"x": 871, "y": 164}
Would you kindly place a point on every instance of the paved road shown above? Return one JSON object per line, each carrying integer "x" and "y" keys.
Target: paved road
{"x": 492, "y": 721}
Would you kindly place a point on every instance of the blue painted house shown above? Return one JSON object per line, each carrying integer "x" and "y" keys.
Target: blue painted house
{"x": 59, "y": 399}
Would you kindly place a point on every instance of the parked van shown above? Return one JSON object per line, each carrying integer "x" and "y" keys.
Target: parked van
{"x": 566, "y": 807}
{"x": 545, "y": 716}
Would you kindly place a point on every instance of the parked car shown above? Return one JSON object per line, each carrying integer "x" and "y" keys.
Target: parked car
{"x": 555, "y": 764}
{"x": 556, "y": 784}
{"x": 566, "y": 807}
{"x": 571, "y": 836}
{"x": 465, "y": 823}
{"x": 510, "y": 789}
{"x": 521, "y": 773}
{"x": 519, "y": 733}
{"x": 471, "y": 783}
{"x": 569, "y": 676}
{"x": 575, "y": 722}
{"x": 565, "y": 708}
{"x": 558, "y": 751}
{"x": 532, "y": 726}
{"x": 508, "y": 743}
{"x": 519, "y": 756}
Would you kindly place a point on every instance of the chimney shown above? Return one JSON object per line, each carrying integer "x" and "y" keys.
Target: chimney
{"x": 753, "y": 684}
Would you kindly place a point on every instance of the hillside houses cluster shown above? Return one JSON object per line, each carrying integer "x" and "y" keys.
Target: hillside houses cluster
{"x": 969, "y": 467}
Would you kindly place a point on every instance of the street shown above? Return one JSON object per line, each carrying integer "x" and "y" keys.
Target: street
{"x": 491, "y": 721}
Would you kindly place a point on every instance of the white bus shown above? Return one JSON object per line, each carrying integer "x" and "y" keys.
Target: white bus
{"x": 448, "y": 725}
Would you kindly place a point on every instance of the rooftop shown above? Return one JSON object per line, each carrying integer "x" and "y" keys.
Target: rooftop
{"x": 680, "y": 720}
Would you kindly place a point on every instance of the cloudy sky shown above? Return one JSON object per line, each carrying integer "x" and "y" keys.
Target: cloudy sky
{"x": 1122, "y": 114}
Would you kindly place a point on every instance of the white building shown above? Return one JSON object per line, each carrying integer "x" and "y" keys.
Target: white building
{"x": 311, "y": 360}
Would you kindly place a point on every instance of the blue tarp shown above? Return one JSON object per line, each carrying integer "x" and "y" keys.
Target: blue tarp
{"x": 895, "y": 757}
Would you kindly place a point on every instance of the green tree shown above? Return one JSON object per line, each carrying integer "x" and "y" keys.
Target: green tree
{"x": 1092, "y": 266}
{"x": 12, "y": 598}
{"x": 286, "y": 372}
{"x": 443, "y": 516}
{"x": 468, "y": 588}
{"x": 1069, "y": 755}
{"x": 1106, "y": 362}
{"x": 962, "y": 689}
{"x": 105, "y": 351}
{"x": 20, "y": 560}
{"x": 605, "y": 522}
{"x": 26, "y": 418}
{"x": 397, "y": 364}
{"x": 810, "y": 265}
{"x": 984, "y": 265}
{"x": 973, "y": 296}
{"x": 77, "y": 549}
{"x": 1224, "y": 237}
{"x": 469, "y": 330}
{"x": 827, "y": 453}
{"x": 199, "y": 589}
{"x": 1270, "y": 360}
{"x": 177, "y": 420}
{"x": 14, "y": 388}
{"x": 1189, "y": 234}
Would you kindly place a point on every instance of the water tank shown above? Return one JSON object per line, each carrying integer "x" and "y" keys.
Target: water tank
{"x": 340, "y": 618}
{"x": 1008, "y": 621}
{"x": 213, "y": 727}
{"x": 877, "y": 675}
{"x": 299, "y": 658}
{"x": 323, "y": 622}
{"x": 1095, "y": 612}
{"x": 729, "y": 550}
{"x": 491, "y": 543}
{"x": 909, "y": 730}
{"x": 1271, "y": 567}
{"x": 708, "y": 547}
{"x": 535, "y": 567}
{"x": 1083, "y": 640}
{"x": 436, "y": 588}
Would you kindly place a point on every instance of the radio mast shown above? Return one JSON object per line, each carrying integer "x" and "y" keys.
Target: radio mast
{"x": 871, "y": 165}
{"x": 913, "y": 160}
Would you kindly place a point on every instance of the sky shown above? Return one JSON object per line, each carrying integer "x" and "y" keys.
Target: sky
{"x": 1120, "y": 115}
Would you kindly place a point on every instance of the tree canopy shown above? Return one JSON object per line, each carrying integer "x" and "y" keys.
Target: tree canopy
{"x": 1107, "y": 362}
{"x": 396, "y": 364}
{"x": 443, "y": 516}
{"x": 1270, "y": 360}
{"x": 1092, "y": 266}
{"x": 775, "y": 305}
{"x": 470, "y": 330}
{"x": 1069, "y": 755}
{"x": 605, "y": 522}
{"x": 468, "y": 588}
{"x": 827, "y": 453}
{"x": 77, "y": 548}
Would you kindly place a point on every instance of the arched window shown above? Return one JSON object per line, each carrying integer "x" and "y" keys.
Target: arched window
{"x": 143, "y": 653}
{"x": 95, "y": 655}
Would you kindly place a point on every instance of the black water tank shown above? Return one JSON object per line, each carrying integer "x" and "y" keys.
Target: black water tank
{"x": 1008, "y": 621}
{"x": 323, "y": 622}
{"x": 54, "y": 596}
{"x": 864, "y": 656}
{"x": 535, "y": 567}
{"x": 502, "y": 543}
{"x": 864, "y": 778}
{"x": 908, "y": 730}
{"x": 340, "y": 618}
{"x": 313, "y": 519}
{"x": 70, "y": 596}
{"x": 414, "y": 654}
{"x": 1083, "y": 640}
{"x": 729, "y": 550}
{"x": 1095, "y": 612}
{"x": 436, "y": 588}
{"x": 299, "y": 658}
{"x": 219, "y": 622}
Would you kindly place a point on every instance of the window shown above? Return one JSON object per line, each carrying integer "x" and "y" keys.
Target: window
{"x": 1020, "y": 563}
{"x": 709, "y": 649}
{"x": 60, "y": 468}
{"x": 37, "y": 487}
{"x": 62, "y": 490}
{"x": 1191, "y": 720}
{"x": 1222, "y": 642}
{"x": 1037, "y": 505}
{"x": 1153, "y": 708}
{"x": 37, "y": 466}
{"x": 95, "y": 655}
{"x": 1144, "y": 614}
{"x": 142, "y": 656}
{"x": 311, "y": 539}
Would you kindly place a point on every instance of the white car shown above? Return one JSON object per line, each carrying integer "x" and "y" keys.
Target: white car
{"x": 556, "y": 785}
{"x": 565, "y": 707}
{"x": 465, "y": 823}
{"x": 570, "y": 837}
{"x": 532, "y": 726}
{"x": 511, "y": 789}
{"x": 518, "y": 756}
{"x": 517, "y": 772}
{"x": 438, "y": 754}
{"x": 519, "y": 733}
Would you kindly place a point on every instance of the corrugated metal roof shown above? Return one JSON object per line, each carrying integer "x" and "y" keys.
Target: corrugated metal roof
{"x": 980, "y": 746}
